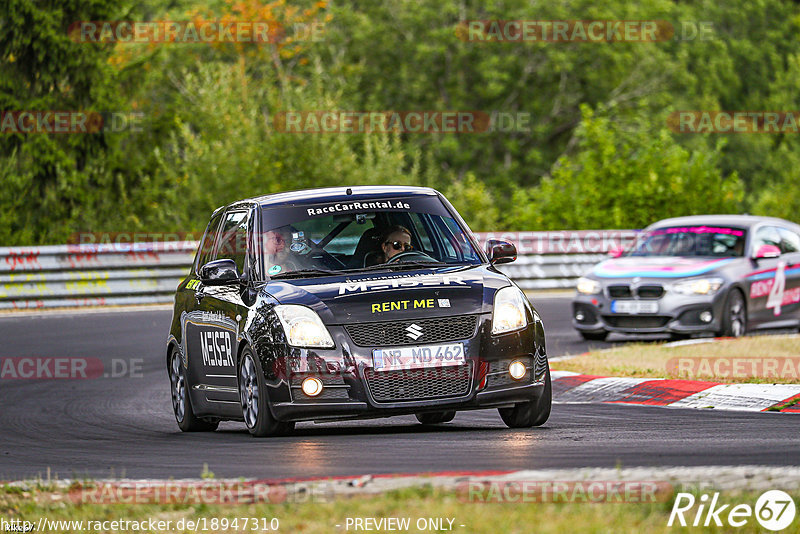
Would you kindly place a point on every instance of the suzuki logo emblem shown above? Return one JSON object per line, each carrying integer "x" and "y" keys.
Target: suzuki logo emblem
{"x": 414, "y": 331}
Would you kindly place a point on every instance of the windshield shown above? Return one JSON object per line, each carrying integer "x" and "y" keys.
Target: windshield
{"x": 378, "y": 233}
{"x": 691, "y": 241}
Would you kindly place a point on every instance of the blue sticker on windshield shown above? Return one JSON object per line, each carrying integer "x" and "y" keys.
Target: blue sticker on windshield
{"x": 275, "y": 269}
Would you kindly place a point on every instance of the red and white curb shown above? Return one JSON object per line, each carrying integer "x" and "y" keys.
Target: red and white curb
{"x": 574, "y": 388}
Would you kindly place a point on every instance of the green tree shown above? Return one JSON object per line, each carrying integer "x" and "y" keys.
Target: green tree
{"x": 625, "y": 179}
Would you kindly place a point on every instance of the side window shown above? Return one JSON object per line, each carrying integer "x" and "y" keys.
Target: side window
{"x": 465, "y": 250}
{"x": 232, "y": 242}
{"x": 419, "y": 227}
{"x": 766, "y": 235}
{"x": 790, "y": 241}
{"x": 207, "y": 244}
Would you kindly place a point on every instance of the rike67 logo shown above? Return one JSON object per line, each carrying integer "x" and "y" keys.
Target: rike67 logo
{"x": 774, "y": 510}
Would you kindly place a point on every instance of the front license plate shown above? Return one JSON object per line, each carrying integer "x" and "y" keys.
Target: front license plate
{"x": 634, "y": 307}
{"x": 401, "y": 358}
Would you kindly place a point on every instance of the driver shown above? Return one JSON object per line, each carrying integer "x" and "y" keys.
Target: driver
{"x": 276, "y": 252}
{"x": 397, "y": 239}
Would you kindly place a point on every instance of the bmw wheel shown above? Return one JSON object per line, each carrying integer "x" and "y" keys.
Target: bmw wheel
{"x": 532, "y": 413}
{"x": 181, "y": 403}
{"x": 253, "y": 396}
{"x": 734, "y": 318}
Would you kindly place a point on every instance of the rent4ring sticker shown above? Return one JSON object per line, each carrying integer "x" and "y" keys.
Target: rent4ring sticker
{"x": 402, "y": 358}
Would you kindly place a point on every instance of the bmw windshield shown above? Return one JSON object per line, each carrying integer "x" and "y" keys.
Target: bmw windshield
{"x": 689, "y": 241}
{"x": 341, "y": 236}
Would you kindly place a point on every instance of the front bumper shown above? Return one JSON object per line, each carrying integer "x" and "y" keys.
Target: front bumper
{"x": 676, "y": 314}
{"x": 350, "y": 392}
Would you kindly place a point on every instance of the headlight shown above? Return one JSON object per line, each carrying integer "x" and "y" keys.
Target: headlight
{"x": 700, "y": 286}
{"x": 587, "y": 286}
{"x": 303, "y": 327}
{"x": 509, "y": 310}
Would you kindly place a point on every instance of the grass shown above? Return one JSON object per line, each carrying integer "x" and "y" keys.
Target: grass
{"x": 759, "y": 359}
{"x": 414, "y": 503}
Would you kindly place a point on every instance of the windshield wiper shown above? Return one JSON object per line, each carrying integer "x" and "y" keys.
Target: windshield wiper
{"x": 305, "y": 272}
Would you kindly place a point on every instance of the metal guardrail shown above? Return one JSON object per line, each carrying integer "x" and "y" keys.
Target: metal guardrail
{"x": 148, "y": 273}
{"x": 92, "y": 275}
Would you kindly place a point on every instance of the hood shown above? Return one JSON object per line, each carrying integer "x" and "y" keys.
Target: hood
{"x": 658, "y": 266}
{"x": 388, "y": 296}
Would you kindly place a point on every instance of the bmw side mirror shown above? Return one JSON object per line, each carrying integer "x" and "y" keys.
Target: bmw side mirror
{"x": 219, "y": 272}
{"x": 767, "y": 251}
{"x": 500, "y": 251}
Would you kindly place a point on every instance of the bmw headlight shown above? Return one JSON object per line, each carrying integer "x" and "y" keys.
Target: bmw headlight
{"x": 587, "y": 286}
{"x": 698, "y": 286}
{"x": 303, "y": 327}
{"x": 509, "y": 310}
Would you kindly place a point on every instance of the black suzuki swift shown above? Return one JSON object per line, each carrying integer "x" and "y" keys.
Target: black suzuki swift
{"x": 364, "y": 302}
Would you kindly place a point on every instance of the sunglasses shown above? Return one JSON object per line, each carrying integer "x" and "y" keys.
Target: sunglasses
{"x": 399, "y": 245}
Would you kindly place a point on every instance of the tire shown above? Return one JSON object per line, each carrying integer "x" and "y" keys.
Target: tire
{"x": 181, "y": 401}
{"x": 254, "y": 401}
{"x": 435, "y": 418}
{"x": 594, "y": 336}
{"x": 734, "y": 315}
{"x": 532, "y": 413}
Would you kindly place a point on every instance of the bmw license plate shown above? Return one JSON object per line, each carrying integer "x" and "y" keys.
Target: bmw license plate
{"x": 634, "y": 307}
{"x": 401, "y": 358}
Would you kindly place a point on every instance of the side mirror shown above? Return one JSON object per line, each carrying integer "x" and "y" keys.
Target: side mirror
{"x": 767, "y": 251}
{"x": 616, "y": 252}
{"x": 500, "y": 251}
{"x": 219, "y": 273}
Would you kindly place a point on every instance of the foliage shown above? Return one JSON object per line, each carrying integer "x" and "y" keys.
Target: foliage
{"x": 626, "y": 179}
{"x": 594, "y": 153}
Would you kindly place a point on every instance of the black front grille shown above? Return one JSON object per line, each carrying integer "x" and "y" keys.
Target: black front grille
{"x": 328, "y": 393}
{"x": 419, "y": 384}
{"x": 403, "y": 333}
{"x": 618, "y": 292}
{"x": 650, "y": 321}
{"x": 650, "y": 292}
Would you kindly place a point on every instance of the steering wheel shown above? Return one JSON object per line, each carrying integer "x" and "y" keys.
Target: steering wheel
{"x": 411, "y": 255}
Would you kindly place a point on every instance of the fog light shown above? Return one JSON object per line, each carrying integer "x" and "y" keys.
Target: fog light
{"x": 312, "y": 386}
{"x": 579, "y": 316}
{"x": 705, "y": 316}
{"x": 517, "y": 370}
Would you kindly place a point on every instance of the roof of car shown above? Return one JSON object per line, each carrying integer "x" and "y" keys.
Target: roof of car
{"x": 741, "y": 221}
{"x": 334, "y": 194}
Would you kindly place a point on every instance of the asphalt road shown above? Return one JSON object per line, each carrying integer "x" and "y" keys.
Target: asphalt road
{"x": 124, "y": 427}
